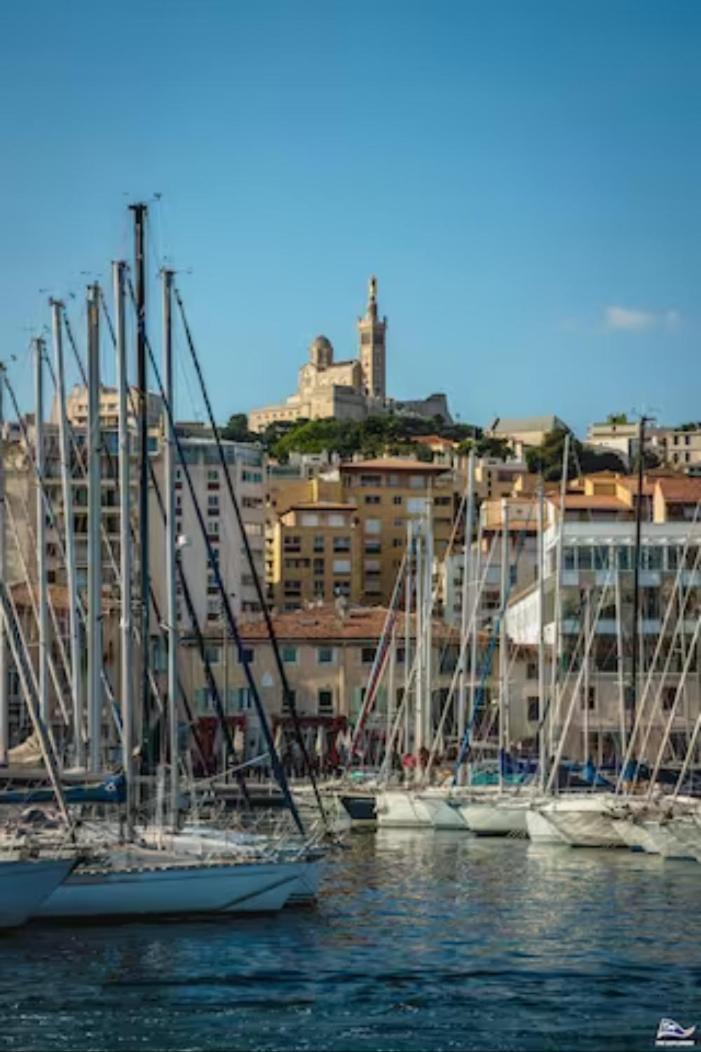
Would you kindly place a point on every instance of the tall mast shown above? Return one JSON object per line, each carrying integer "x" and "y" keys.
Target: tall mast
{"x": 466, "y": 592}
{"x": 541, "y": 637}
{"x": 94, "y": 543}
{"x": 407, "y": 629}
{"x": 4, "y": 698}
{"x": 636, "y": 575}
{"x": 419, "y": 648}
{"x": 428, "y": 627}
{"x": 169, "y": 481}
{"x": 140, "y": 211}
{"x": 126, "y": 648}
{"x": 42, "y": 579}
{"x": 503, "y": 657}
{"x": 69, "y": 535}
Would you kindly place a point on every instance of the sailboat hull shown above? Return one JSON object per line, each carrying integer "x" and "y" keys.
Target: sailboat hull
{"x": 496, "y": 818}
{"x": 170, "y": 890}
{"x": 442, "y": 813}
{"x": 24, "y": 885}
{"x": 402, "y": 809}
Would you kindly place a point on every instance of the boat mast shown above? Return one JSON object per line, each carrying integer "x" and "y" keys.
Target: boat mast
{"x": 428, "y": 627}
{"x": 140, "y": 210}
{"x": 636, "y": 634}
{"x": 4, "y": 698}
{"x": 94, "y": 541}
{"x": 542, "y": 753}
{"x": 126, "y": 648}
{"x": 171, "y": 600}
{"x": 419, "y": 643}
{"x": 69, "y": 532}
{"x": 503, "y": 658}
{"x": 465, "y": 592}
{"x": 42, "y": 579}
{"x": 557, "y": 634}
{"x": 407, "y": 629}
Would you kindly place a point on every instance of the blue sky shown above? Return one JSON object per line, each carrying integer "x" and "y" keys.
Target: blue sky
{"x": 523, "y": 177}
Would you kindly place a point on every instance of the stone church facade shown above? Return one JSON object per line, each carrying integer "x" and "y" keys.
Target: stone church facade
{"x": 347, "y": 390}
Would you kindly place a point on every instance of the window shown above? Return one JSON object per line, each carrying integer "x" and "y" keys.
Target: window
{"x": 533, "y": 708}
{"x": 341, "y": 544}
{"x": 668, "y": 696}
{"x": 319, "y": 565}
{"x": 397, "y": 500}
{"x": 325, "y": 656}
{"x": 246, "y": 654}
{"x": 213, "y": 503}
{"x": 373, "y": 526}
{"x": 416, "y": 505}
{"x": 318, "y": 543}
{"x": 368, "y": 655}
{"x": 212, "y": 475}
{"x": 325, "y": 703}
{"x": 589, "y": 698}
{"x": 212, "y": 654}
{"x": 398, "y": 542}
{"x": 289, "y": 655}
{"x": 372, "y": 498}
{"x": 213, "y": 527}
{"x": 251, "y": 476}
{"x": 342, "y": 588}
{"x": 341, "y": 566}
{"x": 245, "y": 698}
{"x": 288, "y": 700}
{"x": 532, "y": 670}
{"x": 441, "y": 502}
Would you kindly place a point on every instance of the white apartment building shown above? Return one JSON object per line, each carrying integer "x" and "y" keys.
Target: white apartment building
{"x": 245, "y": 465}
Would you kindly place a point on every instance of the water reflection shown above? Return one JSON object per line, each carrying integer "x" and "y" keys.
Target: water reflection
{"x": 420, "y": 940}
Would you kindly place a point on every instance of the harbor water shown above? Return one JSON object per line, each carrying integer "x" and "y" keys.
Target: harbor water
{"x": 419, "y": 941}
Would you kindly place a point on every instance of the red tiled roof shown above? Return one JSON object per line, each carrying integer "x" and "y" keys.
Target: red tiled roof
{"x": 326, "y": 623}
{"x": 680, "y": 490}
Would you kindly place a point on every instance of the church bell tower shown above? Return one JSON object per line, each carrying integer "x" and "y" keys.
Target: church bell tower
{"x": 371, "y": 334}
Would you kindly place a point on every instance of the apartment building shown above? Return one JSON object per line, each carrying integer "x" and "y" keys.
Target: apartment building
{"x": 388, "y": 493}
{"x": 328, "y": 652}
{"x": 675, "y": 447}
{"x": 245, "y": 468}
{"x": 317, "y": 555}
{"x": 596, "y": 600}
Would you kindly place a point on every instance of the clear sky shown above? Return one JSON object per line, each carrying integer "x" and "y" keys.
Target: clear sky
{"x": 523, "y": 177}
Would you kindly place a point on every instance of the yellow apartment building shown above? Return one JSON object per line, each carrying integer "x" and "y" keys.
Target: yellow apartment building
{"x": 316, "y": 554}
{"x": 387, "y": 493}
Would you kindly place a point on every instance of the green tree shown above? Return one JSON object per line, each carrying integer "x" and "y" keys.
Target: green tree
{"x": 236, "y": 429}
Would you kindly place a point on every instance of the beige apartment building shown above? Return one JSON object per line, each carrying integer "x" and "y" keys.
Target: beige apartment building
{"x": 676, "y": 447}
{"x": 316, "y": 554}
{"x": 328, "y": 653}
{"x": 388, "y": 493}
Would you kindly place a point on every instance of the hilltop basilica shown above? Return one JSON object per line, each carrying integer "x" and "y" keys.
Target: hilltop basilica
{"x": 347, "y": 390}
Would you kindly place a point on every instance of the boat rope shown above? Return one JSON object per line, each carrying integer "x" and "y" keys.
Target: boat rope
{"x": 277, "y": 766}
{"x": 288, "y": 695}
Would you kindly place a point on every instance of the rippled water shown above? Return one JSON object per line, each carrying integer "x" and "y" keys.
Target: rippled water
{"x": 420, "y": 941}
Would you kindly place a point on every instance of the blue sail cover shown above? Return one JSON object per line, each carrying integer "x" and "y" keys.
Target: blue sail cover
{"x": 113, "y": 790}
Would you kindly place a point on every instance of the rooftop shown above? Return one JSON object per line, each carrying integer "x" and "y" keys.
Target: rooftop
{"x": 393, "y": 464}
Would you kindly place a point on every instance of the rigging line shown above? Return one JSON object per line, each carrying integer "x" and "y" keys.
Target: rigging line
{"x": 132, "y": 532}
{"x": 288, "y": 696}
{"x": 53, "y": 522}
{"x": 276, "y": 764}
{"x": 487, "y": 662}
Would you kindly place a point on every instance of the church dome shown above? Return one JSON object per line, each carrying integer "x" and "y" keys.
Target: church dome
{"x": 321, "y": 352}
